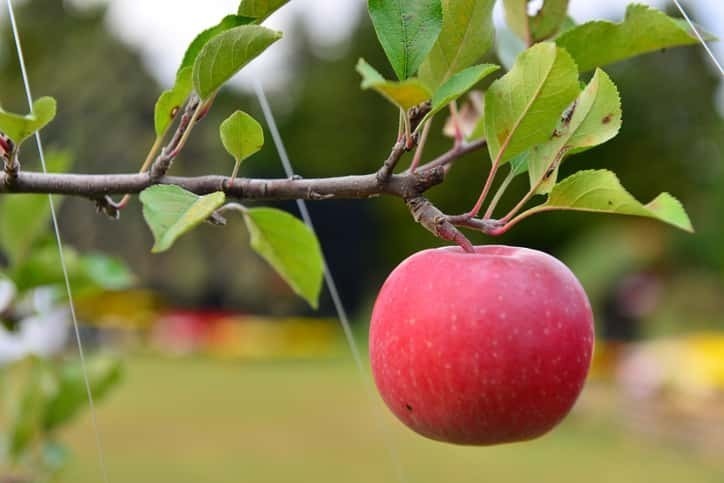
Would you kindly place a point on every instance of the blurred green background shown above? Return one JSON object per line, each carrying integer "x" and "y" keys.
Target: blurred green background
{"x": 199, "y": 418}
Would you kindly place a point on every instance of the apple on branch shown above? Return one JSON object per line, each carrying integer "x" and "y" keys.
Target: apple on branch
{"x": 481, "y": 348}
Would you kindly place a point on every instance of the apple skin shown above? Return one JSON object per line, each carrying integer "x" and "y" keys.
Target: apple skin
{"x": 481, "y": 348}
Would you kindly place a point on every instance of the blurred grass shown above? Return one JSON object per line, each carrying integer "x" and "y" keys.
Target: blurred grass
{"x": 200, "y": 420}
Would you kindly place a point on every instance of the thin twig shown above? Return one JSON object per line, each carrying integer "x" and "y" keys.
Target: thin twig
{"x": 163, "y": 161}
{"x": 420, "y": 146}
{"x": 499, "y": 194}
{"x": 452, "y": 155}
{"x": 388, "y": 167}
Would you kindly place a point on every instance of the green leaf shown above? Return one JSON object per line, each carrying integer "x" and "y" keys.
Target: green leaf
{"x": 523, "y": 107}
{"x": 260, "y": 9}
{"x": 227, "y": 53}
{"x": 241, "y": 135}
{"x": 593, "y": 119}
{"x": 404, "y": 94}
{"x": 105, "y": 272}
{"x": 171, "y": 101}
{"x": 458, "y": 85}
{"x": 407, "y": 30}
{"x": 88, "y": 273}
{"x": 24, "y": 218}
{"x": 27, "y": 411}
{"x": 227, "y": 23}
{"x": 516, "y": 16}
{"x": 290, "y": 247}
{"x": 549, "y": 19}
{"x": 104, "y": 372}
{"x": 171, "y": 211}
{"x": 601, "y": 191}
{"x": 644, "y": 29}
{"x": 543, "y": 25}
{"x": 467, "y": 35}
{"x": 18, "y": 127}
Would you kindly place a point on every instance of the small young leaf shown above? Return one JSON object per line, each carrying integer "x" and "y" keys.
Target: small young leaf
{"x": 407, "y": 30}
{"x": 24, "y": 218}
{"x": 523, "y": 107}
{"x": 227, "y": 23}
{"x": 601, "y": 191}
{"x": 404, "y": 94}
{"x": 260, "y": 9}
{"x": 172, "y": 100}
{"x": 241, "y": 135}
{"x": 458, "y": 85}
{"x": 593, "y": 119}
{"x": 18, "y": 127}
{"x": 290, "y": 247}
{"x": 467, "y": 34}
{"x": 171, "y": 211}
{"x": 644, "y": 29}
{"x": 227, "y": 53}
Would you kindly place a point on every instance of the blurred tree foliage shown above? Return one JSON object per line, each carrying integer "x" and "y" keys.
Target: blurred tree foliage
{"x": 672, "y": 140}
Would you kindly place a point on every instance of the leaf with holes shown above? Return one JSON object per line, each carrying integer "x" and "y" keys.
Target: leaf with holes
{"x": 18, "y": 127}
{"x": 643, "y": 30}
{"x": 404, "y": 94}
{"x": 241, "y": 135}
{"x": 260, "y": 9}
{"x": 172, "y": 100}
{"x": 227, "y": 23}
{"x": 171, "y": 211}
{"x": 467, "y": 35}
{"x": 227, "y": 53}
{"x": 407, "y": 30}
{"x": 523, "y": 107}
{"x": 601, "y": 191}
{"x": 458, "y": 85}
{"x": 290, "y": 247}
{"x": 593, "y": 119}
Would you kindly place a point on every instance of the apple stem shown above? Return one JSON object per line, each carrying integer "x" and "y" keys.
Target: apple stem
{"x": 435, "y": 221}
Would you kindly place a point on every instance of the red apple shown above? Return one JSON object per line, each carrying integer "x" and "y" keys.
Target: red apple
{"x": 481, "y": 348}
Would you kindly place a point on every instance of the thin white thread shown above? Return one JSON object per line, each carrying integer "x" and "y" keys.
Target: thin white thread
{"x": 700, "y": 37}
{"x": 329, "y": 280}
{"x": 59, "y": 241}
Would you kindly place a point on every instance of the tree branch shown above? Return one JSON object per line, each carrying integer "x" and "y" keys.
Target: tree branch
{"x": 407, "y": 185}
{"x": 97, "y": 187}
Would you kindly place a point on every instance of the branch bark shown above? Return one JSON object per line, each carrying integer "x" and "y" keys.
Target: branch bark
{"x": 352, "y": 187}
